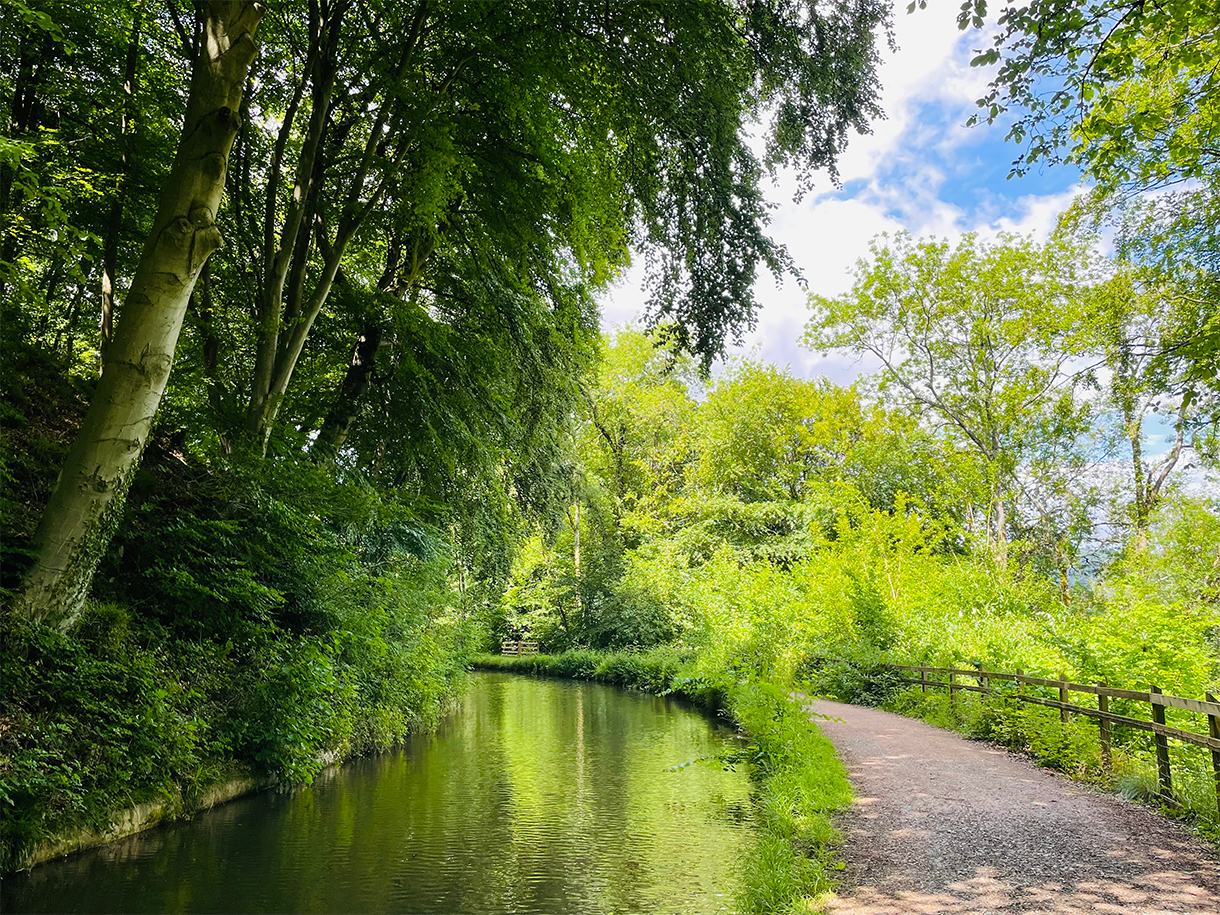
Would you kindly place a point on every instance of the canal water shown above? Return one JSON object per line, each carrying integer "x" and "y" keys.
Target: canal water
{"x": 538, "y": 796}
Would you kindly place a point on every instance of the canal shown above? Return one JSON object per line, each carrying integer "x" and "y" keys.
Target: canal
{"x": 537, "y": 796}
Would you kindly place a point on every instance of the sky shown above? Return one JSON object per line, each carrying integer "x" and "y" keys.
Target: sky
{"x": 920, "y": 170}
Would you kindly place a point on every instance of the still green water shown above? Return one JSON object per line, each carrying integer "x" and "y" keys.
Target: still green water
{"x": 537, "y": 796}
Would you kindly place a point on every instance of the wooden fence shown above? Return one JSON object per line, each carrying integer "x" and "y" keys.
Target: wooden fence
{"x": 929, "y": 677}
{"x": 518, "y": 647}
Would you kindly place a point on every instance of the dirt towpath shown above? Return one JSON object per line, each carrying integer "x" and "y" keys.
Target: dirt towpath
{"x": 947, "y": 826}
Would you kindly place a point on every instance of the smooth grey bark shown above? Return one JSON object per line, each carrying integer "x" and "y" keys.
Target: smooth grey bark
{"x": 88, "y": 499}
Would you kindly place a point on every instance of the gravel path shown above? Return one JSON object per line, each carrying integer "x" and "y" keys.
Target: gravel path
{"x": 946, "y": 826}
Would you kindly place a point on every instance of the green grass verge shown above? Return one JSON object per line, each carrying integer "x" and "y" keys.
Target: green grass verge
{"x": 800, "y": 782}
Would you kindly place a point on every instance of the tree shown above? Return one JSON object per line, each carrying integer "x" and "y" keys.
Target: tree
{"x": 977, "y": 340}
{"x": 765, "y": 436}
{"x": 87, "y": 502}
{"x": 1125, "y": 88}
{"x": 1130, "y": 326}
{"x": 1129, "y": 91}
{"x": 82, "y": 159}
{"x": 636, "y": 436}
{"x": 1169, "y": 246}
{"x": 445, "y": 125}
{"x": 498, "y": 159}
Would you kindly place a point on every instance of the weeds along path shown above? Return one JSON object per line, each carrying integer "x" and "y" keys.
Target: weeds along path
{"x": 942, "y": 825}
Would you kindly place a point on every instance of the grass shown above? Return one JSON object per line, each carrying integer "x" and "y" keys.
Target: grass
{"x": 800, "y": 782}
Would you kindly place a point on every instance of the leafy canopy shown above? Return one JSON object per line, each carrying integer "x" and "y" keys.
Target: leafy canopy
{"x": 1127, "y": 89}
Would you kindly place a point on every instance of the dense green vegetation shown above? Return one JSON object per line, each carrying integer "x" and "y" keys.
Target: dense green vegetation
{"x": 379, "y": 429}
{"x": 335, "y": 264}
{"x": 257, "y": 622}
{"x": 773, "y": 522}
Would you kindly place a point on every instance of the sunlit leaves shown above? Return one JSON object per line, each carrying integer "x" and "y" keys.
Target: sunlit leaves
{"x": 1127, "y": 89}
{"x": 977, "y": 340}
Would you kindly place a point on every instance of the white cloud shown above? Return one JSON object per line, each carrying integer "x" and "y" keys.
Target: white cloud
{"x": 900, "y": 177}
{"x": 931, "y": 66}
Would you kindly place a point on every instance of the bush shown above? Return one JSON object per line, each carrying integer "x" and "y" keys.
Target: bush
{"x": 239, "y": 633}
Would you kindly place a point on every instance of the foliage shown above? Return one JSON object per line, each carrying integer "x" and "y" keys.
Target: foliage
{"x": 977, "y": 340}
{"x": 91, "y": 721}
{"x": 758, "y": 559}
{"x": 394, "y": 434}
{"x": 447, "y": 185}
{"x": 1128, "y": 91}
{"x": 1127, "y": 87}
{"x": 131, "y": 706}
{"x": 40, "y": 409}
{"x": 803, "y": 783}
{"x": 254, "y": 622}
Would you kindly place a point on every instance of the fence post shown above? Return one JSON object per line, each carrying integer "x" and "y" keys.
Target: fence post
{"x": 1103, "y": 706}
{"x": 1213, "y": 728}
{"x": 983, "y": 681}
{"x": 1162, "y": 750}
{"x": 1063, "y": 696}
{"x": 952, "y": 687}
{"x": 923, "y": 680}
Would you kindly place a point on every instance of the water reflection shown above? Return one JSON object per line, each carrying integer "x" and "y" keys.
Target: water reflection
{"x": 536, "y": 797}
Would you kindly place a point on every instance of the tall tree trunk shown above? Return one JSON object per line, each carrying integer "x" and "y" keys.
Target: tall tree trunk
{"x": 1135, "y": 434}
{"x": 282, "y": 251}
{"x": 576, "y": 552}
{"x": 110, "y": 251}
{"x": 52, "y": 277}
{"x": 346, "y": 407}
{"x": 88, "y": 499}
{"x": 77, "y": 299}
{"x": 1001, "y": 534}
{"x": 204, "y": 312}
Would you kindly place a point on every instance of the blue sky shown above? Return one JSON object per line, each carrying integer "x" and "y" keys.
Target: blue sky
{"x": 921, "y": 170}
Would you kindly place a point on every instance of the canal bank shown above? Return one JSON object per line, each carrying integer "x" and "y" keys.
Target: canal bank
{"x": 134, "y": 819}
{"x": 147, "y": 815}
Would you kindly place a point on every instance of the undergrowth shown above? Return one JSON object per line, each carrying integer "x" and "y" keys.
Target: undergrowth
{"x": 799, "y": 781}
{"x": 235, "y": 629}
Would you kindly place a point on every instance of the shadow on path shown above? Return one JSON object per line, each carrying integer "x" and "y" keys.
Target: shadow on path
{"x": 946, "y": 825}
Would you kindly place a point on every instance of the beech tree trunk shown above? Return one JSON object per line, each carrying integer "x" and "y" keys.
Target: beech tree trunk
{"x": 346, "y": 407}
{"x": 88, "y": 499}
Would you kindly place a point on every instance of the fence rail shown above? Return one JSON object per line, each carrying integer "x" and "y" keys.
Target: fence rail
{"x": 1156, "y": 700}
{"x": 517, "y": 647}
